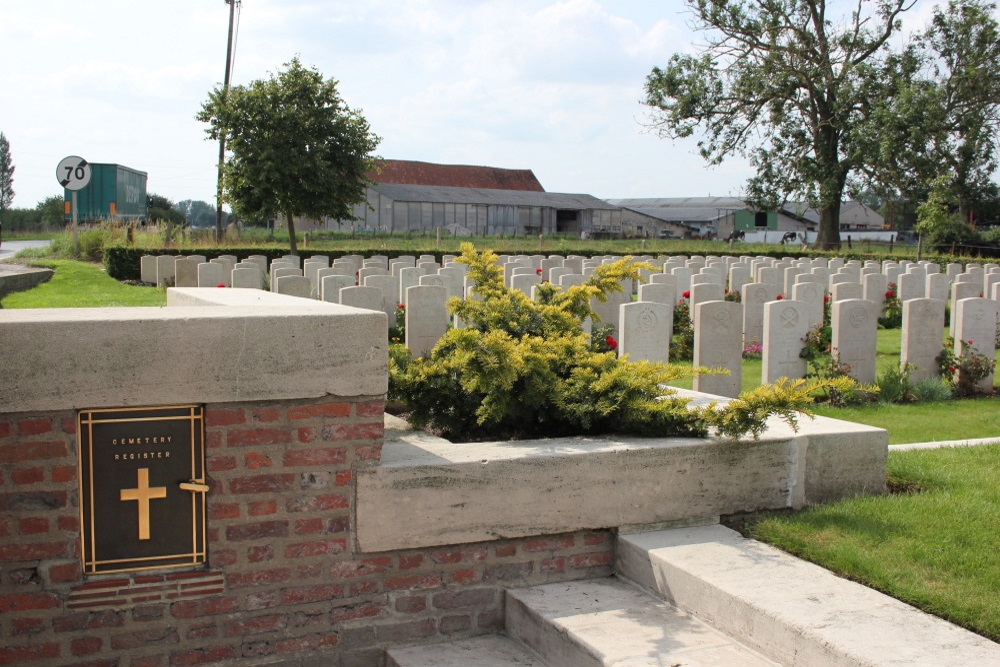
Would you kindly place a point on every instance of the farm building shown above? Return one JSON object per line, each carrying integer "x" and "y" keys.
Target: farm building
{"x": 421, "y": 197}
{"x": 716, "y": 217}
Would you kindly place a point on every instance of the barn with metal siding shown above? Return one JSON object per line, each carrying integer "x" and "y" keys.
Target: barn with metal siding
{"x": 403, "y": 208}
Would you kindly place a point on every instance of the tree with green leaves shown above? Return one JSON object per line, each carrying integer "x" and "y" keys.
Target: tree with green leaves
{"x": 940, "y": 126}
{"x": 296, "y": 148}
{"x": 6, "y": 175}
{"x": 785, "y": 84}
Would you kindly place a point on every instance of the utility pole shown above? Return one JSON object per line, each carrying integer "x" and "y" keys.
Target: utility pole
{"x": 222, "y": 139}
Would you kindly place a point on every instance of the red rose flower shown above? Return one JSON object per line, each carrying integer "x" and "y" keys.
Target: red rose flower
{"x": 612, "y": 343}
{"x": 221, "y": 285}
{"x": 538, "y": 271}
{"x": 686, "y": 294}
{"x": 780, "y": 297}
{"x": 890, "y": 294}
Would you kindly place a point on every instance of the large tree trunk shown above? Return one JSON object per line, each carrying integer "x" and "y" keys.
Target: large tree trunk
{"x": 829, "y": 227}
{"x": 290, "y": 223}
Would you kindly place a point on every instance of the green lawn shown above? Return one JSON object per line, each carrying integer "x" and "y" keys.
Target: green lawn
{"x": 934, "y": 546}
{"x": 82, "y": 285}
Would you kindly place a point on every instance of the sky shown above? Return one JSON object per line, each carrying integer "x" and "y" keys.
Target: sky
{"x": 554, "y": 86}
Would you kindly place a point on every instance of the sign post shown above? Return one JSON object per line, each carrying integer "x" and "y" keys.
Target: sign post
{"x": 73, "y": 173}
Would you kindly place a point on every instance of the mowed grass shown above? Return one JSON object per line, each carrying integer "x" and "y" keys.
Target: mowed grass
{"x": 914, "y": 422}
{"x": 933, "y": 545}
{"x": 82, "y": 285}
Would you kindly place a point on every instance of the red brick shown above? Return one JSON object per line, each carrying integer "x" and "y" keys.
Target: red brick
{"x": 17, "y": 602}
{"x": 410, "y": 561}
{"x": 309, "y": 571}
{"x": 4, "y": 528}
{"x": 206, "y": 631}
{"x": 213, "y": 440}
{"x": 14, "y": 655}
{"x": 369, "y": 409}
{"x": 321, "y": 503}
{"x": 262, "y": 507}
{"x": 206, "y": 607}
{"x": 315, "y": 457}
{"x": 553, "y": 565}
{"x": 256, "y": 531}
{"x": 203, "y": 656}
{"x": 505, "y": 550}
{"x": 223, "y": 510}
{"x": 277, "y": 575}
{"x": 470, "y": 555}
{"x": 6, "y": 428}
{"x": 344, "y": 478}
{"x": 88, "y": 620}
{"x": 474, "y": 597}
{"x": 33, "y": 501}
{"x": 338, "y": 524}
{"x": 140, "y": 638}
{"x": 224, "y": 416}
{"x": 407, "y": 631}
{"x": 414, "y": 581}
{"x": 255, "y": 625}
{"x": 306, "y": 435}
{"x": 69, "y": 425}
{"x": 256, "y": 461}
{"x": 38, "y": 551}
{"x": 220, "y": 463}
{"x": 307, "y": 643}
{"x": 263, "y": 483}
{"x": 86, "y": 645}
{"x": 449, "y": 625}
{"x": 69, "y": 523}
{"x": 595, "y": 539}
{"x": 361, "y": 568}
{"x": 34, "y": 426}
{"x": 269, "y": 414}
{"x": 364, "y": 587}
{"x": 508, "y": 572}
{"x": 148, "y": 661}
{"x": 354, "y": 612}
{"x": 27, "y": 475}
{"x": 28, "y": 626}
{"x": 65, "y": 573}
{"x": 222, "y": 557}
{"x": 32, "y": 451}
{"x": 550, "y": 543}
{"x": 411, "y": 604}
{"x": 320, "y": 410}
{"x": 341, "y": 432}
{"x": 64, "y": 473}
{"x": 257, "y": 436}
{"x": 318, "y": 548}
{"x": 589, "y": 560}
{"x": 370, "y": 453}
{"x": 308, "y": 526}
{"x": 463, "y": 576}
{"x": 33, "y": 526}
{"x": 308, "y": 594}
{"x": 261, "y": 554}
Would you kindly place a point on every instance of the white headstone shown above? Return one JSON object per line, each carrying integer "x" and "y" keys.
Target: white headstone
{"x": 211, "y": 274}
{"x": 293, "y": 285}
{"x": 855, "y": 332}
{"x": 426, "y": 318}
{"x": 785, "y": 327}
{"x": 644, "y": 330}
{"x": 976, "y": 329}
{"x": 718, "y": 343}
{"x": 923, "y": 331}
{"x": 248, "y": 277}
{"x": 165, "y": 270}
{"x": 754, "y": 296}
{"x": 186, "y": 272}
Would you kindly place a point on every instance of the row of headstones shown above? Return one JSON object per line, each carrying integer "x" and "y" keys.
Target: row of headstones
{"x": 645, "y": 331}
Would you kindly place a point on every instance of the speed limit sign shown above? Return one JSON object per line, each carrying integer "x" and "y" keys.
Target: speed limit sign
{"x": 73, "y": 173}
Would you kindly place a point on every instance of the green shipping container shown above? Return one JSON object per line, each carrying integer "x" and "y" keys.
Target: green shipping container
{"x": 748, "y": 221}
{"x": 114, "y": 193}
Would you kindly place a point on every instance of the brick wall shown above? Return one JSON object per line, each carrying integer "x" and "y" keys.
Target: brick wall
{"x": 284, "y": 582}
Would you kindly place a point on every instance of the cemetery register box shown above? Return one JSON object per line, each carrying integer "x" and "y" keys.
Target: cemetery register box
{"x": 142, "y": 488}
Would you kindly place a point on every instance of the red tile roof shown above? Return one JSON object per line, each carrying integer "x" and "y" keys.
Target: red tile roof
{"x": 409, "y": 172}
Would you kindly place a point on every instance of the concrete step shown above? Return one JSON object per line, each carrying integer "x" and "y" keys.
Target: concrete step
{"x": 610, "y": 622}
{"x": 792, "y": 611}
{"x": 490, "y": 651}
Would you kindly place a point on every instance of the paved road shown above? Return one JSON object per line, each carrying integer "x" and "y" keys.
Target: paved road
{"x": 10, "y": 248}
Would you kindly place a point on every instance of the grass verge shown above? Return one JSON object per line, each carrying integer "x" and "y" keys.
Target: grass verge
{"x": 82, "y": 285}
{"x": 933, "y": 546}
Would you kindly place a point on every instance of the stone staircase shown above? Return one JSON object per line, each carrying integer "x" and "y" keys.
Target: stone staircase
{"x": 707, "y": 596}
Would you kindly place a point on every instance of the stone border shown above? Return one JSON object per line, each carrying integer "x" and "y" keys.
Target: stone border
{"x": 17, "y": 278}
{"x": 428, "y": 491}
{"x": 285, "y": 349}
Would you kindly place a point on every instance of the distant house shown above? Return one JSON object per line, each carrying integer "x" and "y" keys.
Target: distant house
{"x": 421, "y": 197}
